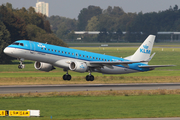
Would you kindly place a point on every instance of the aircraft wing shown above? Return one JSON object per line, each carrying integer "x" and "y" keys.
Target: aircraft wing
{"x": 110, "y": 64}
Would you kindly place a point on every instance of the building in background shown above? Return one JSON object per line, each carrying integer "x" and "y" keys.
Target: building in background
{"x": 42, "y": 7}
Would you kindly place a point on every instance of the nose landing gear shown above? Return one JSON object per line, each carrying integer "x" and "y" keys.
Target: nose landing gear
{"x": 89, "y": 77}
{"x": 21, "y": 66}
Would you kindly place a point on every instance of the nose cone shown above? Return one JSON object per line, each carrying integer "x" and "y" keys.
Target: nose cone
{"x": 8, "y": 51}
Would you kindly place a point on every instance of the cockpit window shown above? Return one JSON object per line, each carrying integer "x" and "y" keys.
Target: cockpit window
{"x": 15, "y": 43}
{"x": 21, "y": 44}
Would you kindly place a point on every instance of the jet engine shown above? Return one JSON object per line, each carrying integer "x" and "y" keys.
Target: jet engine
{"x": 78, "y": 66}
{"x": 43, "y": 66}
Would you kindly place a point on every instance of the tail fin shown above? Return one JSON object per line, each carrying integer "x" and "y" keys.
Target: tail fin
{"x": 144, "y": 51}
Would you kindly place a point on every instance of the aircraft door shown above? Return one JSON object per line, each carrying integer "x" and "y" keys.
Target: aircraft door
{"x": 32, "y": 47}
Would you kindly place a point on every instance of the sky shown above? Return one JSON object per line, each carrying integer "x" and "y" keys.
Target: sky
{"x": 72, "y": 8}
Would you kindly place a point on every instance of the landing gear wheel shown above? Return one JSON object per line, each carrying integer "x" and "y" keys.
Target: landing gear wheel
{"x": 64, "y": 77}
{"x": 67, "y": 77}
{"x": 21, "y": 66}
{"x": 89, "y": 78}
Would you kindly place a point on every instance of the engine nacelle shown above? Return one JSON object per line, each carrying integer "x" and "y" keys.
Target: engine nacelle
{"x": 78, "y": 66}
{"x": 43, "y": 66}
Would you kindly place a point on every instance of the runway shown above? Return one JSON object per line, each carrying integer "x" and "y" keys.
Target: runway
{"x": 86, "y": 87}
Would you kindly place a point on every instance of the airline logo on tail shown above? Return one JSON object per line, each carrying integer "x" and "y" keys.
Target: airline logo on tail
{"x": 145, "y": 49}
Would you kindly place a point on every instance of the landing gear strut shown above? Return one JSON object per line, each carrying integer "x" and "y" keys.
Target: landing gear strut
{"x": 89, "y": 77}
{"x": 67, "y": 76}
{"x": 21, "y": 66}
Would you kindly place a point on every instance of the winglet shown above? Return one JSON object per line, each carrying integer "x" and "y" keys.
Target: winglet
{"x": 150, "y": 57}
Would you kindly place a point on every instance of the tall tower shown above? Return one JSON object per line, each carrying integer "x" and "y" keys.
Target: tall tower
{"x": 42, "y": 7}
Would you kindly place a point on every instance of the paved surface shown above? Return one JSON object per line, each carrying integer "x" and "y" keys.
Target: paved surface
{"x": 89, "y": 87}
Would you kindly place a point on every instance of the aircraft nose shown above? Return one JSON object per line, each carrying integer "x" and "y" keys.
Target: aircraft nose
{"x": 8, "y": 51}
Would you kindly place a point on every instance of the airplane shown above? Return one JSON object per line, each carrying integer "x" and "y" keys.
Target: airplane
{"x": 48, "y": 56}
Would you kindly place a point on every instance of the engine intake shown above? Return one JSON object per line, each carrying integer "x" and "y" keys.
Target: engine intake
{"x": 43, "y": 66}
{"x": 78, "y": 66}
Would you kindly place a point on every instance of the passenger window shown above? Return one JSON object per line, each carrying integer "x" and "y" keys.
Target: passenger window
{"x": 83, "y": 55}
{"x": 42, "y": 48}
{"x": 55, "y": 50}
{"x": 62, "y": 52}
{"x": 72, "y": 53}
{"x": 59, "y": 51}
{"x": 45, "y": 49}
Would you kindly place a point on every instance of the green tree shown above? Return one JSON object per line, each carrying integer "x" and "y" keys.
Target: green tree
{"x": 33, "y": 31}
{"x": 4, "y": 41}
{"x": 18, "y": 24}
{"x": 86, "y": 14}
{"x": 50, "y": 39}
{"x": 103, "y": 36}
{"x": 92, "y": 24}
{"x": 65, "y": 27}
{"x": 15, "y": 25}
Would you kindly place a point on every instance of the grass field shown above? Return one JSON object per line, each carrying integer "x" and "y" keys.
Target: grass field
{"x": 32, "y": 78}
{"x": 96, "y": 104}
{"x": 100, "y": 107}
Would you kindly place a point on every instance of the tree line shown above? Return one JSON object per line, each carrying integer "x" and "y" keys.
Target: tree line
{"x": 23, "y": 24}
{"x": 113, "y": 20}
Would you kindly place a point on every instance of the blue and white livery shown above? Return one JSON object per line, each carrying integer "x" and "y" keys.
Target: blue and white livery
{"x": 48, "y": 56}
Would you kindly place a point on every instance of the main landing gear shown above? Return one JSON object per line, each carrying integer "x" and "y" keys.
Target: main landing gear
{"x": 21, "y": 66}
{"x": 67, "y": 76}
{"x": 89, "y": 77}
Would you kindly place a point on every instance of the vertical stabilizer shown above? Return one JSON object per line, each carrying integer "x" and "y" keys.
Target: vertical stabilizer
{"x": 144, "y": 51}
